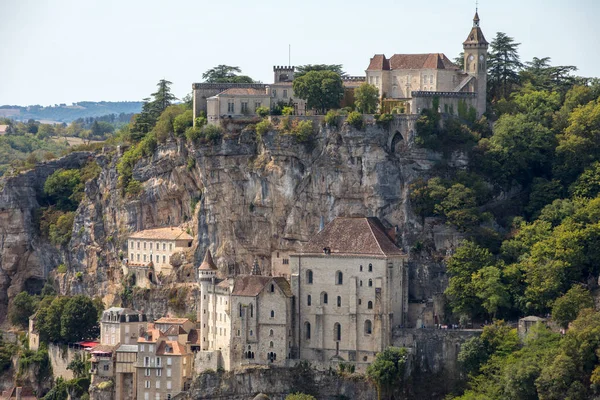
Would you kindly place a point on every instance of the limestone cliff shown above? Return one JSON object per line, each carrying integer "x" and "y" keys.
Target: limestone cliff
{"x": 251, "y": 197}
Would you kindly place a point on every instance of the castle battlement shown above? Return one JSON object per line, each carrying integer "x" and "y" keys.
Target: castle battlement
{"x": 463, "y": 95}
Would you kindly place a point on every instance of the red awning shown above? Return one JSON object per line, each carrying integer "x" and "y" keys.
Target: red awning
{"x": 88, "y": 344}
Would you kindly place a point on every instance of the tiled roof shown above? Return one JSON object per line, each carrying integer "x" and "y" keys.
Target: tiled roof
{"x": 127, "y": 348}
{"x": 252, "y": 285}
{"x": 103, "y": 348}
{"x": 175, "y": 330}
{"x": 171, "y": 233}
{"x": 176, "y": 348}
{"x": 243, "y": 92}
{"x": 169, "y": 320}
{"x": 411, "y": 61}
{"x": 208, "y": 264}
{"x": 154, "y": 335}
{"x": 353, "y": 236}
{"x": 284, "y": 285}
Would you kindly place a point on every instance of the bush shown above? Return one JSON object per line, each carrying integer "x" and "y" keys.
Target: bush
{"x": 262, "y": 111}
{"x": 134, "y": 188}
{"x": 191, "y": 163}
{"x": 287, "y": 110}
{"x": 212, "y": 133}
{"x": 263, "y": 127}
{"x": 201, "y": 121}
{"x": 22, "y": 307}
{"x": 355, "y": 120}
{"x": 384, "y": 120}
{"x": 303, "y": 131}
{"x": 332, "y": 118}
{"x": 60, "y": 233}
{"x": 182, "y": 122}
{"x": 61, "y": 269}
{"x": 194, "y": 134}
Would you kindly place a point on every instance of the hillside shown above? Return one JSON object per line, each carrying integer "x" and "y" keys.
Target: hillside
{"x": 69, "y": 113}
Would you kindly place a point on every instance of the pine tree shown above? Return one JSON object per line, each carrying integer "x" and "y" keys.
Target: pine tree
{"x": 503, "y": 66}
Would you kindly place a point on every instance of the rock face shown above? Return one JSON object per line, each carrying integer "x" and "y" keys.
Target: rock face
{"x": 276, "y": 383}
{"x": 25, "y": 260}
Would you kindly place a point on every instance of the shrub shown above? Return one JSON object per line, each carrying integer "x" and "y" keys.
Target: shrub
{"x": 213, "y": 133}
{"x": 60, "y": 233}
{"x": 331, "y": 118}
{"x": 21, "y": 308}
{"x": 79, "y": 276}
{"x": 355, "y": 120}
{"x": 384, "y": 120}
{"x": 191, "y": 163}
{"x": 303, "y": 131}
{"x": 263, "y": 127}
{"x": 134, "y": 188}
{"x": 287, "y": 110}
{"x": 200, "y": 121}
{"x": 194, "y": 134}
{"x": 182, "y": 122}
{"x": 61, "y": 269}
{"x": 262, "y": 111}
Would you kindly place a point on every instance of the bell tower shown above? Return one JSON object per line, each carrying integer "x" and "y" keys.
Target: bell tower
{"x": 475, "y": 60}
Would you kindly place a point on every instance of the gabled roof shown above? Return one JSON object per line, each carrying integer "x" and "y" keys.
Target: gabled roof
{"x": 176, "y": 348}
{"x": 249, "y": 285}
{"x": 353, "y": 236}
{"x": 411, "y": 61}
{"x": 243, "y": 92}
{"x": 284, "y": 285}
{"x": 175, "y": 330}
{"x": 208, "y": 264}
{"x": 170, "y": 233}
{"x": 169, "y": 320}
{"x": 153, "y": 333}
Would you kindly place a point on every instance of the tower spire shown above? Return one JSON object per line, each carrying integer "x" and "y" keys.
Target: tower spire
{"x": 476, "y": 17}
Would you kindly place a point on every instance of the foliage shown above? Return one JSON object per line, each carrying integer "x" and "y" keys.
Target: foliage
{"x": 68, "y": 319}
{"x": 384, "y": 120}
{"x": 366, "y": 98}
{"x": 225, "y": 74}
{"x": 263, "y": 127}
{"x": 300, "y": 396}
{"x": 304, "y": 69}
{"x": 60, "y": 233}
{"x": 355, "y": 120}
{"x": 194, "y": 134}
{"x": 7, "y": 351}
{"x": 387, "y": 371}
{"x": 212, "y": 133}
{"x": 79, "y": 366}
{"x": 64, "y": 188}
{"x": 303, "y": 131}
{"x": 332, "y": 118}
{"x": 322, "y": 90}
{"x": 503, "y": 66}
{"x": 262, "y": 111}
{"x": 566, "y": 307}
{"x": 22, "y": 307}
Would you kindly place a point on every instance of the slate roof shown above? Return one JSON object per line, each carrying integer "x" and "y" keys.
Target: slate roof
{"x": 411, "y": 61}
{"x": 127, "y": 348}
{"x": 353, "y": 236}
{"x": 252, "y": 285}
{"x": 475, "y": 37}
{"x": 170, "y": 233}
{"x": 208, "y": 264}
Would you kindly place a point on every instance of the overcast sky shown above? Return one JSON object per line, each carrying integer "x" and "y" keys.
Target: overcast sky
{"x": 63, "y": 51}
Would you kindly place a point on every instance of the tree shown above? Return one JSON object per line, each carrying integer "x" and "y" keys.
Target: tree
{"x": 566, "y": 308}
{"x": 473, "y": 354}
{"x": 304, "y": 69}
{"x": 22, "y": 307}
{"x": 45, "y": 131}
{"x": 225, "y": 74}
{"x": 79, "y": 319}
{"x": 542, "y": 76}
{"x": 387, "y": 371}
{"x": 366, "y": 98}
{"x": 503, "y": 66}
{"x": 49, "y": 317}
{"x": 79, "y": 366}
{"x": 163, "y": 97}
{"x": 491, "y": 290}
{"x": 322, "y": 90}
{"x": 64, "y": 188}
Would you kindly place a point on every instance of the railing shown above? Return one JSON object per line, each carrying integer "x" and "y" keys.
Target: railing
{"x": 149, "y": 364}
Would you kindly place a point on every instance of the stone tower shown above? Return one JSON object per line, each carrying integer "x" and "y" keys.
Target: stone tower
{"x": 283, "y": 73}
{"x": 475, "y": 57}
{"x": 207, "y": 272}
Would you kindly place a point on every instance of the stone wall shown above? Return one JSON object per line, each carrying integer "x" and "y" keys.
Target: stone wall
{"x": 60, "y": 357}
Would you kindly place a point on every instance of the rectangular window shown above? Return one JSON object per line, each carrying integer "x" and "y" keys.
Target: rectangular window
{"x": 285, "y": 93}
{"x": 138, "y": 257}
{"x": 144, "y": 245}
{"x": 158, "y": 361}
{"x": 147, "y": 384}
{"x": 146, "y": 361}
{"x": 147, "y": 372}
{"x": 274, "y": 93}
{"x": 138, "y": 243}
{"x": 158, "y": 384}
{"x": 230, "y": 106}
{"x": 146, "y": 396}
{"x": 244, "y": 107}
{"x": 144, "y": 258}
{"x": 131, "y": 256}
{"x": 142, "y": 347}
{"x": 169, "y": 387}
{"x": 170, "y": 246}
{"x": 376, "y": 80}
{"x": 150, "y": 348}
{"x": 164, "y": 246}
{"x": 169, "y": 372}
{"x": 164, "y": 259}
{"x": 159, "y": 372}
{"x": 257, "y": 105}
{"x": 157, "y": 258}
{"x": 169, "y": 361}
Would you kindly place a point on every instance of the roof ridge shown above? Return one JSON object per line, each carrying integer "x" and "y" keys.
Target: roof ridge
{"x": 374, "y": 236}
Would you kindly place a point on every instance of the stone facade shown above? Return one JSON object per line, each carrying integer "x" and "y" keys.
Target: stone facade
{"x": 154, "y": 248}
{"x": 121, "y": 325}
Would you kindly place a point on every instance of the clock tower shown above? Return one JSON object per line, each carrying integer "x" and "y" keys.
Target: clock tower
{"x": 475, "y": 59}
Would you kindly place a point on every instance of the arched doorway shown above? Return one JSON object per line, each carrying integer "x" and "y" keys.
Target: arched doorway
{"x": 397, "y": 143}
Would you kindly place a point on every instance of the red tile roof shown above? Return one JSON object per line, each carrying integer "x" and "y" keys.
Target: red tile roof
{"x": 353, "y": 236}
{"x": 244, "y": 92}
{"x": 170, "y": 233}
{"x": 411, "y": 61}
{"x": 176, "y": 348}
{"x": 208, "y": 264}
{"x": 169, "y": 320}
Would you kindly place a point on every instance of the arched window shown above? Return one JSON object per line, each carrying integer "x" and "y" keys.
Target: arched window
{"x": 370, "y": 305}
{"x": 251, "y": 310}
{"x": 360, "y": 283}
{"x": 240, "y": 309}
{"x": 339, "y": 278}
{"x": 370, "y": 282}
{"x": 309, "y": 276}
{"x": 324, "y": 298}
{"x": 368, "y": 327}
{"x": 339, "y": 301}
{"x": 309, "y": 300}
{"x": 361, "y": 268}
{"x": 271, "y": 334}
{"x": 272, "y": 288}
{"x": 307, "y": 330}
{"x": 271, "y": 344}
{"x": 272, "y": 314}
{"x": 370, "y": 267}
{"x": 337, "y": 332}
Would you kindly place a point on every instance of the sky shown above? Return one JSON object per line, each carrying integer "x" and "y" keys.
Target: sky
{"x": 64, "y": 51}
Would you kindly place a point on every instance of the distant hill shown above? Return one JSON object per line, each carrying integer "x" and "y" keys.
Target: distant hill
{"x": 68, "y": 113}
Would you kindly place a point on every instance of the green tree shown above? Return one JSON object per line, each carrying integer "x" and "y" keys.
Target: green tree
{"x": 60, "y": 233}
{"x": 225, "y": 74}
{"x": 366, "y": 98}
{"x": 182, "y": 122}
{"x": 503, "y": 66}
{"x": 473, "y": 353}
{"x": 566, "y": 308}
{"x": 491, "y": 290}
{"x": 163, "y": 97}
{"x": 387, "y": 371}
{"x": 64, "y": 188}
{"x": 304, "y": 69}
{"x": 45, "y": 131}
{"x": 79, "y": 366}
{"x": 79, "y": 319}
{"x": 49, "y": 318}
{"x": 22, "y": 307}
{"x": 462, "y": 294}
{"x": 588, "y": 183}
{"x": 322, "y": 90}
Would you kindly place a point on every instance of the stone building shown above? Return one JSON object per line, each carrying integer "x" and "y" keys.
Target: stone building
{"x": 236, "y": 103}
{"x": 244, "y": 320}
{"x": 350, "y": 285}
{"x": 121, "y": 325}
{"x": 149, "y": 251}
{"x": 164, "y": 362}
{"x": 419, "y": 78}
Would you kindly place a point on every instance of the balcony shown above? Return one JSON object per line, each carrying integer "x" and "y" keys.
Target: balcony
{"x": 149, "y": 364}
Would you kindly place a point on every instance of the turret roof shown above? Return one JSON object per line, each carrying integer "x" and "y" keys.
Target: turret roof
{"x": 208, "y": 264}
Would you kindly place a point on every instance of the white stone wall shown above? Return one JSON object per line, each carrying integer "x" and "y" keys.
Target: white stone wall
{"x": 141, "y": 251}
{"x": 114, "y": 332}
